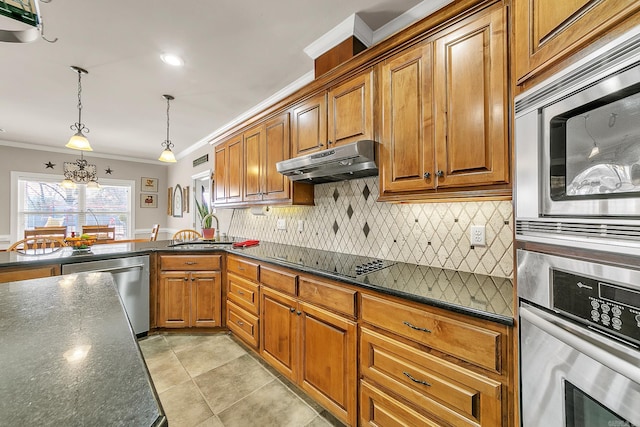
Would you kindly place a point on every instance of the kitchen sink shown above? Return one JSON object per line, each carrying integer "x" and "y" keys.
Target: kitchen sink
{"x": 199, "y": 244}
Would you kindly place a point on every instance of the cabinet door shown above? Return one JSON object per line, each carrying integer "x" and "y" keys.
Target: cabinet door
{"x": 310, "y": 125}
{"x": 278, "y": 148}
{"x": 235, "y": 163}
{"x": 11, "y": 275}
{"x": 253, "y": 163}
{"x": 174, "y": 299}
{"x": 351, "y": 111}
{"x": 547, "y": 31}
{"x": 206, "y": 297}
{"x": 406, "y": 151}
{"x": 328, "y": 360}
{"x": 470, "y": 103}
{"x": 221, "y": 181}
{"x": 278, "y": 331}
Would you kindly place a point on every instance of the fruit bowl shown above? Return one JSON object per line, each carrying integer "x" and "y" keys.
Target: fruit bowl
{"x": 82, "y": 243}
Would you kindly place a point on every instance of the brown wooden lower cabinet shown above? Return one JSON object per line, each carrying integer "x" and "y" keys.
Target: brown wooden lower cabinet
{"x": 315, "y": 348}
{"x": 190, "y": 291}
{"x": 16, "y": 274}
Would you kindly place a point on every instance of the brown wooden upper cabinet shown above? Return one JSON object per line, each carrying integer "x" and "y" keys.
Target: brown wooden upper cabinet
{"x": 548, "y": 31}
{"x": 350, "y": 112}
{"x": 246, "y": 168}
{"x": 309, "y": 125}
{"x": 444, "y": 115}
{"x": 228, "y": 182}
{"x": 264, "y": 146}
{"x": 343, "y": 114}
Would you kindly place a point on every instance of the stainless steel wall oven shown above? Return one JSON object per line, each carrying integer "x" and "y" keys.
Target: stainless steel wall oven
{"x": 577, "y": 211}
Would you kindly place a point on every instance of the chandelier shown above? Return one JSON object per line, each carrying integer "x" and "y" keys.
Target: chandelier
{"x": 80, "y": 172}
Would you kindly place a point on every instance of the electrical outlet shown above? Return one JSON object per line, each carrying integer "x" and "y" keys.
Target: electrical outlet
{"x": 478, "y": 235}
{"x": 300, "y": 225}
{"x": 281, "y": 224}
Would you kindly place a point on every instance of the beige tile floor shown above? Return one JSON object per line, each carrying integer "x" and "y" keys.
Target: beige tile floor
{"x": 213, "y": 381}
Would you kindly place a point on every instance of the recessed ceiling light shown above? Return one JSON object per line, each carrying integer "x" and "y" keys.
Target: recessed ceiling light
{"x": 2, "y": 130}
{"x": 171, "y": 59}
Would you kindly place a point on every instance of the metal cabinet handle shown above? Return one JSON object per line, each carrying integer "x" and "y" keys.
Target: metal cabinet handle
{"x": 440, "y": 174}
{"x": 415, "y": 380}
{"x": 292, "y": 309}
{"x": 193, "y": 279}
{"x": 298, "y": 313}
{"x": 427, "y": 175}
{"x": 329, "y": 143}
{"x": 417, "y": 328}
{"x": 241, "y": 268}
{"x": 240, "y": 293}
{"x": 240, "y": 322}
{"x": 190, "y": 262}
{"x": 186, "y": 278}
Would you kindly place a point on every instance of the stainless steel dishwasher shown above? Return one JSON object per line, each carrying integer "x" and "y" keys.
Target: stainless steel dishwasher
{"x": 131, "y": 276}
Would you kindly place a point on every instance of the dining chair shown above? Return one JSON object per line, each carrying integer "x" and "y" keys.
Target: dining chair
{"x": 37, "y": 245}
{"x": 101, "y": 232}
{"x": 154, "y": 232}
{"x": 60, "y": 232}
{"x": 186, "y": 235}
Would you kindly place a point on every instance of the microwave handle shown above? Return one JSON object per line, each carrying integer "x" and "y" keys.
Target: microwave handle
{"x": 615, "y": 356}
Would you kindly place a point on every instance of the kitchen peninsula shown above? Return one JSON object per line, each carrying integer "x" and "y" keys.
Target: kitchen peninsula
{"x": 70, "y": 357}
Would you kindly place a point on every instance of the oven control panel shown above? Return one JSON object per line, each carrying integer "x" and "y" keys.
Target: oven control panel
{"x": 611, "y": 307}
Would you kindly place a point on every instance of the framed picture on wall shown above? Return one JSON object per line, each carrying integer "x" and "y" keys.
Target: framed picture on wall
{"x": 170, "y": 201}
{"x": 177, "y": 202}
{"x": 148, "y": 200}
{"x": 149, "y": 184}
{"x": 185, "y": 199}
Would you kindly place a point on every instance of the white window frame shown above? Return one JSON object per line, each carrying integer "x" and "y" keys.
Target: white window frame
{"x": 16, "y": 176}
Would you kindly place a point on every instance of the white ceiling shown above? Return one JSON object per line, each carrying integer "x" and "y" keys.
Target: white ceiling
{"x": 237, "y": 53}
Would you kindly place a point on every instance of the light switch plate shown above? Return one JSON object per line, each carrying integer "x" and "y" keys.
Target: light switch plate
{"x": 281, "y": 224}
{"x": 478, "y": 235}
{"x": 300, "y": 225}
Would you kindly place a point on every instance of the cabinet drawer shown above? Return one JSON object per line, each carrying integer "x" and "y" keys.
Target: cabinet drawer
{"x": 243, "y": 324}
{"x": 242, "y": 267}
{"x": 282, "y": 281}
{"x": 335, "y": 298}
{"x": 243, "y": 292}
{"x": 379, "y": 409}
{"x": 449, "y": 392}
{"x": 472, "y": 343}
{"x": 190, "y": 262}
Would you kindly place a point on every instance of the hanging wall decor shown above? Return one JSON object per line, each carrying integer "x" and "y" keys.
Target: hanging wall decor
{"x": 170, "y": 201}
{"x": 177, "y": 202}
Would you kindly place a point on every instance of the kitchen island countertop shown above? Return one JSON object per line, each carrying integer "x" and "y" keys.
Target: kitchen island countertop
{"x": 69, "y": 356}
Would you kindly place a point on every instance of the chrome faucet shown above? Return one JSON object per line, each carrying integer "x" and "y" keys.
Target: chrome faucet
{"x": 204, "y": 219}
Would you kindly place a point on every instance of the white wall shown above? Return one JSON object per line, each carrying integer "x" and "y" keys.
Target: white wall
{"x": 182, "y": 173}
{"x": 24, "y": 160}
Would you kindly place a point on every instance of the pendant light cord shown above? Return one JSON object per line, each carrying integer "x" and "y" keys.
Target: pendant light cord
{"x": 79, "y": 97}
{"x": 168, "y": 103}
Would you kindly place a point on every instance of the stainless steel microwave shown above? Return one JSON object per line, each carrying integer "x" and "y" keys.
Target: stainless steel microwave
{"x": 577, "y": 150}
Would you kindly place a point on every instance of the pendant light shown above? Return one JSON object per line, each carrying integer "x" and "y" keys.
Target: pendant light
{"x": 78, "y": 141}
{"x": 167, "y": 155}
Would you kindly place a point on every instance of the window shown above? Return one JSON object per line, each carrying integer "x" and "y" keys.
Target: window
{"x": 42, "y": 201}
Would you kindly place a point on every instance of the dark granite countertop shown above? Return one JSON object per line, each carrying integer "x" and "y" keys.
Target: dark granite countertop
{"x": 69, "y": 356}
{"x": 478, "y": 295}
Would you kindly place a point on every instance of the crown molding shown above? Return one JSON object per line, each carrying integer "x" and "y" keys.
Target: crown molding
{"x": 417, "y": 12}
{"x": 281, "y": 94}
{"x": 4, "y": 143}
{"x": 352, "y": 26}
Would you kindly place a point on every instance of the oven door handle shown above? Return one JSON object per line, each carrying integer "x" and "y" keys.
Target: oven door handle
{"x": 611, "y": 354}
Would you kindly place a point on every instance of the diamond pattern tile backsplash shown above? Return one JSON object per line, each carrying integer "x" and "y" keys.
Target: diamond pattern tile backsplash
{"x": 348, "y": 219}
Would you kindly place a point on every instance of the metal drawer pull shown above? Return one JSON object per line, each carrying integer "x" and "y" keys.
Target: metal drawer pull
{"x": 190, "y": 262}
{"x": 240, "y": 293}
{"x": 408, "y": 375}
{"x": 292, "y": 309}
{"x": 240, "y": 322}
{"x": 240, "y": 268}
{"x": 417, "y": 328}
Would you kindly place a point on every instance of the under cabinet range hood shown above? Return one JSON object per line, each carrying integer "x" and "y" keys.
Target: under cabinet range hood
{"x": 349, "y": 161}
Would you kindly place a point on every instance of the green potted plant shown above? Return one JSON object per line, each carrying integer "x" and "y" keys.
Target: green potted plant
{"x": 206, "y": 220}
